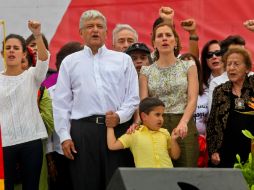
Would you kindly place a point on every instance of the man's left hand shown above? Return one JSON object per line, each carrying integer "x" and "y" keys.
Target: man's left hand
{"x": 112, "y": 119}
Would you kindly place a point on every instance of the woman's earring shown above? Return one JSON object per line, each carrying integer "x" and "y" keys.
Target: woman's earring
{"x": 155, "y": 54}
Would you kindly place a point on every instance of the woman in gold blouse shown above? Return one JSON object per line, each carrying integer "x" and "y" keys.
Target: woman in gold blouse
{"x": 175, "y": 82}
{"x": 227, "y": 118}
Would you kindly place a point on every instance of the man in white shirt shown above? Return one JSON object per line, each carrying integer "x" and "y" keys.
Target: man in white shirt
{"x": 96, "y": 88}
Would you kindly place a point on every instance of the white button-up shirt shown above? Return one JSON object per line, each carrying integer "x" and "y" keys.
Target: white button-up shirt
{"x": 90, "y": 84}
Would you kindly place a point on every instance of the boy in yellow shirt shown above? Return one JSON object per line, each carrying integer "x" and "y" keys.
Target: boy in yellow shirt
{"x": 151, "y": 145}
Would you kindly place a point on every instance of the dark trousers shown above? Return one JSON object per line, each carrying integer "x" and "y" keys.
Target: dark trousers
{"x": 29, "y": 156}
{"x": 62, "y": 181}
{"x": 94, "y": 164}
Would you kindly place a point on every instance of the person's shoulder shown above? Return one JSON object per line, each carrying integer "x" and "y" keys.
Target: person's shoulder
{"x": 186, "y": 63}
{"x": 74, "y": 55}
{"x": 251, "y": 78}
{"x": 72, "y": 58}
{"x": 220, "y": 79}
{"x": 141, "y": 129}
{"x": 251, "y": 74}
{"x": 145, "y": 69}
{"x": 117, "y": 53}
{"x": 164, "y": 131}
{"x": 226, "y": 86}
{"x": 2, "y": 74}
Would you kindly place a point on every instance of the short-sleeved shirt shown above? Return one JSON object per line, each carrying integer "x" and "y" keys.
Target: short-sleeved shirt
{"x": 149, "y": 148}
{"x": 169, "y": 84}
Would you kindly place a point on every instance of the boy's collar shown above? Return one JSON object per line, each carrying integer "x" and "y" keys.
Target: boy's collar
{"x": 145, "y": 128}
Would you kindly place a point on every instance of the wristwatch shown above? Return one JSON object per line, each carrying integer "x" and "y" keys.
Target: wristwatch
{"x": 194, "y": 37}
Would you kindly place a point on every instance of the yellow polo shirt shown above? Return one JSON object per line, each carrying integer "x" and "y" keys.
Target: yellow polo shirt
{"x": 149, "y": 148}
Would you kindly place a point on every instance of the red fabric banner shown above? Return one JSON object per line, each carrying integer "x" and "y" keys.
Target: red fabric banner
{"x": 215, "y": 19}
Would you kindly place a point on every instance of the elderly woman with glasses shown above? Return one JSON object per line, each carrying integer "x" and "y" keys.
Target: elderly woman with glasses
{"x": 227, "y": 117}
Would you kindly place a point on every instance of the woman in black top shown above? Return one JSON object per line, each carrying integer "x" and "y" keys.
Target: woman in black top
{"x": 226, "y": 120}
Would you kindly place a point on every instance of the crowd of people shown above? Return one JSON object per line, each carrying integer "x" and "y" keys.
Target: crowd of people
{"x": 126, "y": 107}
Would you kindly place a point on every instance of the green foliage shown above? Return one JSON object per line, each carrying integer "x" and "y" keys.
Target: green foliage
{"x": 248, "y": 134}
{"x": 247, "y": 168}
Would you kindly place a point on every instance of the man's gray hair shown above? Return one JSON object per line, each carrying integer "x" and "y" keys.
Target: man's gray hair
{"x": 120, "y": 27}
{"x": 89, "y": 15}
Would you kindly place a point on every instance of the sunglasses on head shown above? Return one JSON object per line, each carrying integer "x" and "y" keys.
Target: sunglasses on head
{"x": 210, "y": 54}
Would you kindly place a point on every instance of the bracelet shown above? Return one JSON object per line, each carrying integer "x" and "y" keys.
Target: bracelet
{"x": 194, "y": 37}
{"x": 37, "y": 35}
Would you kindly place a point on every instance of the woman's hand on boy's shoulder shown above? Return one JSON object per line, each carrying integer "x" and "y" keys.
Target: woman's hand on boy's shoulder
{"x": 132, "y": 128}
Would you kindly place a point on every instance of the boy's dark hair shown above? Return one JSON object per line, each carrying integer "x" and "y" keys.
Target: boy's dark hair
{"x": 31, "y": 38}
{"x": 148, "y": 104}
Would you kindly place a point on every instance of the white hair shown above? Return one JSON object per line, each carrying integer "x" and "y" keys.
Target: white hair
{"x": 120, "y": 27}
{"x": 89, "y": 15}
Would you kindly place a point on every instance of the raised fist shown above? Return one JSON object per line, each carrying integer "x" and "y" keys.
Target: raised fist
{"x": 189, "y": 25}
{"x": 167, "y": 14}
{"x": 249, "y": 24}
{"x": 34, "y": 27}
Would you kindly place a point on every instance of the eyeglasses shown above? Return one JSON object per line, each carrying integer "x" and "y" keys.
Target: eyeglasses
{"x": 210, "y": 54}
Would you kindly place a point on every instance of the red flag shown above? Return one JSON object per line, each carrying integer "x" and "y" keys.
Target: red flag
{"x": 1, "y": 165}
